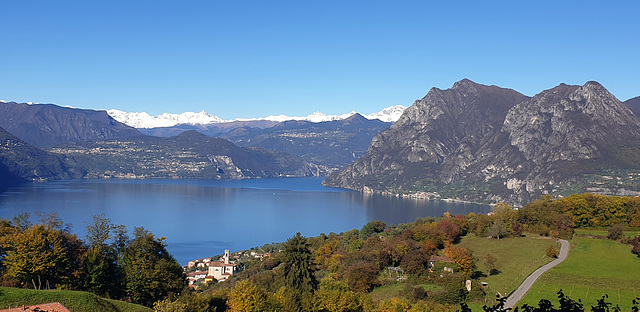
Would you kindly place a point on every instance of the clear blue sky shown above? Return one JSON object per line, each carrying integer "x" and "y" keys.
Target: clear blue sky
{"x": 238, "y": 58}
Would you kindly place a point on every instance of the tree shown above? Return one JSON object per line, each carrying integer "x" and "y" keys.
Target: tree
{"x": 462, "y": 257}
{"x": 336, "y": 296}
{"x": 298, "y": 267}
{"x": 552, "y": 252}
{"x": 371, "y": 228}
{"x": 150, "y": 272}
{"x": 615, "y": 232}
{"x": 635, "y": 246}
{"x": 103, "y": 273}
{"x": 38, "y": 255}
{"x": 415, "y": 262}
{"x": 490, "y": 263}
{"x": 247, "y": 297}
{"x": 361, "y": 275}
{"x": 504, "y": 213}
{"x": 498, "y": 230}
{"x": 450, "y": 229}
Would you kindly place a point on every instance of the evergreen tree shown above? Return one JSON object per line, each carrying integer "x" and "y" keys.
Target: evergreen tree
{"x": 298, "y": 267}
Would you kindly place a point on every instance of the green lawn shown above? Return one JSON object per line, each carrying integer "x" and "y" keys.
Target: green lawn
{"x": 594, "y": 267}
{"x": 76, "y": 301}
{"x": 516, "y": 258}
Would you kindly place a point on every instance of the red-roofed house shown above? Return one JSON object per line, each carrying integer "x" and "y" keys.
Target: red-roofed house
{"x": 221, "y": 270}
{"x": 45, "y": 307}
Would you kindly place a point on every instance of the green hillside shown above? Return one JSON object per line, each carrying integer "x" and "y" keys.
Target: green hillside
{"x": 595, "y": 267}
{"x": 76, "y": 301}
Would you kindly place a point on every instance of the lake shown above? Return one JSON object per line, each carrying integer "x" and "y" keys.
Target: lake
{"x": 201, "y": 218}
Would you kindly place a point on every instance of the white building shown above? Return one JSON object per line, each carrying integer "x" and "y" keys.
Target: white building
{"x": 221, "y": 270}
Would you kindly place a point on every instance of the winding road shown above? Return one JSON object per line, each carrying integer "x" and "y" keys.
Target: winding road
{"x": 526, "y": 285}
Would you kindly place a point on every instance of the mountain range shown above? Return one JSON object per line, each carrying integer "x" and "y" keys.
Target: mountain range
{"x": 47, "y": 124}
{"x": 143, "y": 120}
{"x": 188, "y": 155}
{"x": 489, "y": 144}
{"x": 472, "y": 142}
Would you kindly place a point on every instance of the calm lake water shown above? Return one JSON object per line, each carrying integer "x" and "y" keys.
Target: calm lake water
{"x": 201, "y": 218}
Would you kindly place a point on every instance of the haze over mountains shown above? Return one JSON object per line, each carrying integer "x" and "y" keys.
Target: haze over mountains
{"x": 486, "y": 143}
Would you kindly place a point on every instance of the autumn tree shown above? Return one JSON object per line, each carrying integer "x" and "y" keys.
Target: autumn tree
{"x": 462, "y": 257}
{"x": 415, "y": 262}
{"x": 247, "y": 297}
{"x": 490, "y": 262}
{"x": 552, "y": 252}
{"x": 336, "y": 296}
{"x": 298, "y": 267}
{"x": 150, "y": 272}
{"x": 449, "y": 229}
{"x": 38, "y": 256}
{"x": 361, "y": 275}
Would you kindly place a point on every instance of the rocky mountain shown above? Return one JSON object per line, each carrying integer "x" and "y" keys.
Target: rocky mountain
{"x": 634, "y": 104}
{"x": 489, "y": 144}
{"x": 332, "y": 144}
{"x": 188, "y": 155}
{"x": 47, "y": 124}
{"x": 21, "y": 162}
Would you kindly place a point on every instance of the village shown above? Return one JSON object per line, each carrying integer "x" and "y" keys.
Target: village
{"x": 208, "y": 270}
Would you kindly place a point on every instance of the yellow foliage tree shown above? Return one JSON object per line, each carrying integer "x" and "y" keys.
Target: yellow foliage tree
{"x": 247, "y": 297}
{"x": 462, "y": 257}
{"x": 38, "y": 256}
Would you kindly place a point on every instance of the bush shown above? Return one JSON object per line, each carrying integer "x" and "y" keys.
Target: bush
{"x": 552, "y": 252}
{"x": 616, "y": 232}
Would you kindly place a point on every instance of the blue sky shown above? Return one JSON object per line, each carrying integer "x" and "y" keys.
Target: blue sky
{"x": 239, "y": 58}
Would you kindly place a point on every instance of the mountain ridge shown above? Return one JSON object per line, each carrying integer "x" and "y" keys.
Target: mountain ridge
{"x": 489, "y": 144}
{"x": 145, "y": 121}
{"x": 45, "y": 125}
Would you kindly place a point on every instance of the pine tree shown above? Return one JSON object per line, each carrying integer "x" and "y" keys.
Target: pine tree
{"x": 298, "y": 267}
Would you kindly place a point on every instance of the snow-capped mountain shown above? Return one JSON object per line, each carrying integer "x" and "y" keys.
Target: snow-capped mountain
{"x": 389, "y": 114}
{"x": 146, "y": 121}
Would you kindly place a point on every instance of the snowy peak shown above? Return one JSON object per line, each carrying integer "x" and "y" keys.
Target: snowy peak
{"x": 389, "y": 114}
{"x": 146, "y": 121}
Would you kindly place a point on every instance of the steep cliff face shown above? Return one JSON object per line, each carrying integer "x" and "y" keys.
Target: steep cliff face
{"x": 487, "y": 143}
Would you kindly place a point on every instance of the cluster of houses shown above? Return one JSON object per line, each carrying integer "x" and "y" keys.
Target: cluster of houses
{"x": 207, "y": 270}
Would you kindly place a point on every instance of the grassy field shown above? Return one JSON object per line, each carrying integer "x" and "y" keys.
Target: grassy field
{"x": 76, "y": 301}
{"x": 516, "y": 258}
{"x": 594, "y": 267}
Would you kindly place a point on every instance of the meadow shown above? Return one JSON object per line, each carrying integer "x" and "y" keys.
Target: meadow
{"x": 595, "y": 267}
{"x": 516, "y": 258}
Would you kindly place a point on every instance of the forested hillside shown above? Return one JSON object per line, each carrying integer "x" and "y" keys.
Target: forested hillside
{"x": 427, "y": 265}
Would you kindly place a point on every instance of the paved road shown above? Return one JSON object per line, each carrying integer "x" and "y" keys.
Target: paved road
{"x": 526, "y": 285}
